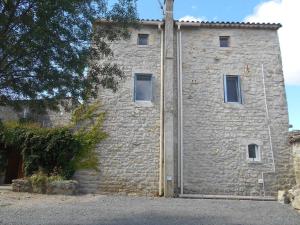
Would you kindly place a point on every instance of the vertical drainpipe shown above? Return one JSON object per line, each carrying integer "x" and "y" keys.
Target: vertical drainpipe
{"x": 181, "y": 113}
{"x": 178, "y": 105}
{"x": 161, "y": 156}
{"x": 180, "y": 109}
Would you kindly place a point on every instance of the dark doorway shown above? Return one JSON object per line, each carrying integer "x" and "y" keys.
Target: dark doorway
{"x": 14, "y": 169}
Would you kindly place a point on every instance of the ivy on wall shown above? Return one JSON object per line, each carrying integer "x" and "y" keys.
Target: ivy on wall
{"x": 87, "y": 122}
{"x": 62, "y": 150}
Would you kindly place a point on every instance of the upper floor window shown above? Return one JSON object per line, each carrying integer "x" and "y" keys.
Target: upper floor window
{"x": 143, "y": 87}
{"x": 143, "y": 39}
{"x": 253, "y": 152}
{"x": 224, "y": 41}
{"x": 232, "y": 89}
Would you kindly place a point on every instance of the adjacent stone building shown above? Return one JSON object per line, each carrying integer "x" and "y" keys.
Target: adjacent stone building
{"x": 202, "y": 111}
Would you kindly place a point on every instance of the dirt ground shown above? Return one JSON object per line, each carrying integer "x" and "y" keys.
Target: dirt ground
{"x": 36, "y": 209}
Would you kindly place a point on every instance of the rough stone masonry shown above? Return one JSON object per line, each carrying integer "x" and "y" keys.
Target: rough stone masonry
{"x": 205, "y": 138}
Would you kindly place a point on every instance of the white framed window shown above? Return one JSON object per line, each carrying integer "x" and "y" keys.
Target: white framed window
{"x": 253, "y": 153}
{"x": 232, "y": 89}
{"x": 143, "y": 87}
{"x": 143, "y": 39}
{"x": 224, "y": 41}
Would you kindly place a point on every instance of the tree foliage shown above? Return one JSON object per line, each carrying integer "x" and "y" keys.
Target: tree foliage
{"x": 45, "y": 47}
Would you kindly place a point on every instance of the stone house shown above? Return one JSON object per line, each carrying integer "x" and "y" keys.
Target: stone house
{"x": 202, "y": 111}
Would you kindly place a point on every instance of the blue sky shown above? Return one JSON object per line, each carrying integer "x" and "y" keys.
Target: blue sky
{"x": 233, "y": 10}
{"x": 283, "y": 11}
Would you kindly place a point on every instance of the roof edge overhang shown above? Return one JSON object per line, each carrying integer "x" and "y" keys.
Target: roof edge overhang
{"x": 142, "y": 22}
{"x": 241, "y": 25}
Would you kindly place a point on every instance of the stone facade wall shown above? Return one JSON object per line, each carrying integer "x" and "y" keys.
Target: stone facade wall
{"x": 216, "y": 134}
{"x": 48, "y": 119}
{"x": 129, "y": 157}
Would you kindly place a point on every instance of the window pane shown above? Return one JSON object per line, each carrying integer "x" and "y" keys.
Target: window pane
{"x": 143, "y": 88}
{"x": 143, "y": 39}
{"x": 232, "y": 88}
{"x": 252, "y": 151}
{"x": 224, "y": 41}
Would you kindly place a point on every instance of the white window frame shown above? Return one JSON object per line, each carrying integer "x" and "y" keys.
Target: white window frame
{"x": 151, "y": 89}
{"x": 240, "y": 98}
{"x": 257, "y": 153}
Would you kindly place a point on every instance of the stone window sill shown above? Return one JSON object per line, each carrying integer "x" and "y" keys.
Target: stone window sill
{"x": 144, "y": 103}
{"x": 254, "y": 162}
{"x": 143, "y": 46}
{"x": 234, "y": 104}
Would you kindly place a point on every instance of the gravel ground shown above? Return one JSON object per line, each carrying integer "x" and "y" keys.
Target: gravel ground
{"x": 24, "y": 208}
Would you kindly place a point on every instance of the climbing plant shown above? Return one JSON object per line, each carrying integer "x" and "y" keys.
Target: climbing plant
{"x": 62, "y": 150}
{"x": 87, "y": 122}
{"x": 42, "y": 148}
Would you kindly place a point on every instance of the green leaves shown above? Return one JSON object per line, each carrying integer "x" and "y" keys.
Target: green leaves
{"x": 88, "y": 122}
{"x": 45, "y": 47}
{"x": 59, "y": 151}
{"x": 46, "y": 148}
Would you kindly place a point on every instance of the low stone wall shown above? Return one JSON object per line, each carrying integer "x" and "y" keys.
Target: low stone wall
{"x": 21, "y": 185}
{"x": 294, "y": 195}
{"x": 64, "y": 187}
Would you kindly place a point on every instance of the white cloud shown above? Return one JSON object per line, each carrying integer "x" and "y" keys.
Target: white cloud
{"x": 194, "y": 7}
{"x": 191, "y": 18}
{"x": 287, "y": 13}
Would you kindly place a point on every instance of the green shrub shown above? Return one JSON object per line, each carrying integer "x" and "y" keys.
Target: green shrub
{"x": 54, "y": 178}
{"x": 39, "y": 182}
{"x": 39, "y": 178}
{"x": 45, "y": 148}
{"x": 56, "y": 151}
{"x": 50, "y": 149}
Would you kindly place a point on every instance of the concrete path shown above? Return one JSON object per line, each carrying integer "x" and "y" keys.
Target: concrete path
{"x": 110, "y": 210}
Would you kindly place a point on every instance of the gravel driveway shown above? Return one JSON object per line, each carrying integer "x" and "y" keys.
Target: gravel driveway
{"x": 22, "y": 208}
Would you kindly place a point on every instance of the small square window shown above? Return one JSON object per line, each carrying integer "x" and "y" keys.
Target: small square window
{"x": 143, "y": 87}
{"x": 224, "y": 41}
{"x": 232, "y": 89}
{"x": 253, "y": 153}
{"x": 143, "y": 39}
